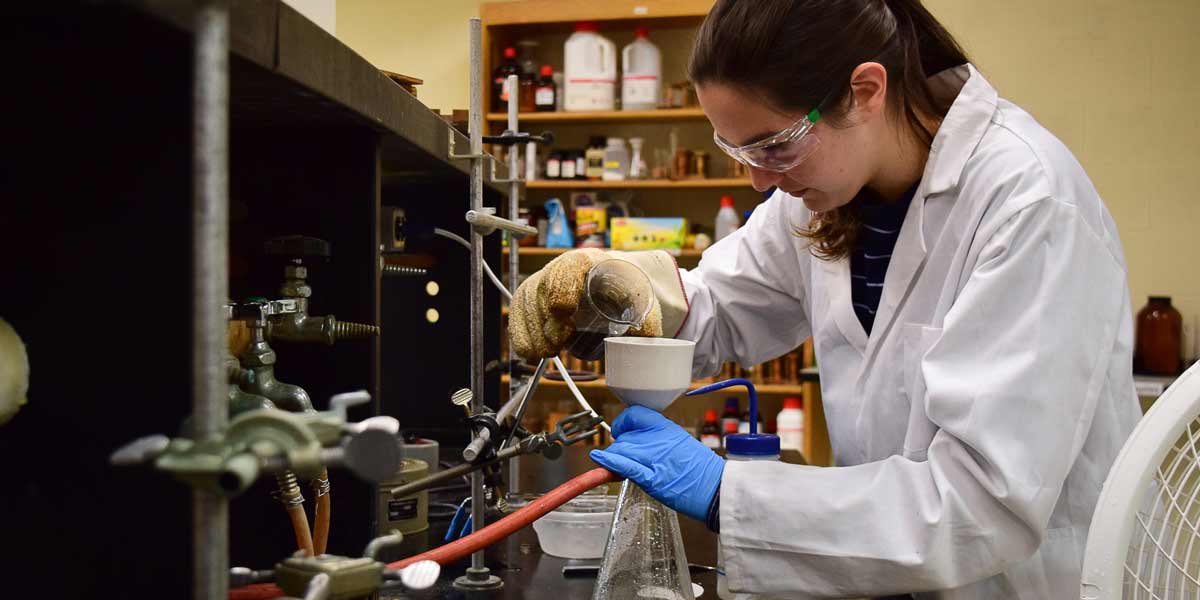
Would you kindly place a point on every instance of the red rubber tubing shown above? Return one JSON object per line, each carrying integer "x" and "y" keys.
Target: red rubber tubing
{"x": 463, "y": 547}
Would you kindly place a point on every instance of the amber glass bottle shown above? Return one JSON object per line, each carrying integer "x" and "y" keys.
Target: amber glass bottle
{"x": 1159, "y": 338}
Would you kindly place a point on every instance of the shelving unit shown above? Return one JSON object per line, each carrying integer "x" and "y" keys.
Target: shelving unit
{"x": 672, "y": 24}
{"x": 612, "y": 116}
{"x": 766, "y": 389}
{"x": 639, "y": 184}
{"x": 695, "y": 254}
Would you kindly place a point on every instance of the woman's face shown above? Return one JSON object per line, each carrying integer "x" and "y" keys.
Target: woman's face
{"x": 830, "y": 177}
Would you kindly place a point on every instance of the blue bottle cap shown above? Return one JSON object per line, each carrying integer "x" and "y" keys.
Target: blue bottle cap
{"x": 752, "y": 444}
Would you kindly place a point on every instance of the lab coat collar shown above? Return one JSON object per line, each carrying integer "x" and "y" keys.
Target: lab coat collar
{"x": 971, "y": 112}
{"x": 975, "y": 102}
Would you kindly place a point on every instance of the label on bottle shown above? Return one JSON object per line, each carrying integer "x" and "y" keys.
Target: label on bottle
{"x": 589, "y": 94}
{"x": 580, "y": 166}
{"x": 711, "y": 440}
{"x": 792, "y": 438}
{"x": 568, "y": 169}
{"x": 504, "y": 91}
{"x": 544, "y": 96}
{"x": 612, "y": 164}
{"x": 553, "y": 168}
{"x": 639, "y": 89}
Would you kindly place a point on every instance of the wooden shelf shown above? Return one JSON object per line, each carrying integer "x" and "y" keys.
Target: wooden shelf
{"x": 538, "y": 251}
{"x": 531, "y": 12}
{"x": 610, "y": 116}
{"x": 639, "y": 184}
{"x": 764, "y": 389}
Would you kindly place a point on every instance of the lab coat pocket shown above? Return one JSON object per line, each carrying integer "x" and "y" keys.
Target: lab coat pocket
{"x": 916, "y": 340}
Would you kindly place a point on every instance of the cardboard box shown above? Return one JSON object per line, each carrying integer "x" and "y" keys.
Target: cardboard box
{"x": 590, "y": 220}
{"x": 648, "y": 233}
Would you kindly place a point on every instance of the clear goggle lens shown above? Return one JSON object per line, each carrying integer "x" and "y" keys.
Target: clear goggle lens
{"x": 780, "y": 152}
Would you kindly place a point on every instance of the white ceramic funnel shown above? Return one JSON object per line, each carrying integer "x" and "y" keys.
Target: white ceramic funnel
{"x": 650, "y": 372}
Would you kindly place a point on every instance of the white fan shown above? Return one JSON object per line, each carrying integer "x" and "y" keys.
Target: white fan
{"x": 1144, "y": 540}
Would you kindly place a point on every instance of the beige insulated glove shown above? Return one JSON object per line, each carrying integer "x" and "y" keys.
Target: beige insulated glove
{"x": 540, "y": 321}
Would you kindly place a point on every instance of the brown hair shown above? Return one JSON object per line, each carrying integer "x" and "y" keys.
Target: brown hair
{"x": 797, "y": 54}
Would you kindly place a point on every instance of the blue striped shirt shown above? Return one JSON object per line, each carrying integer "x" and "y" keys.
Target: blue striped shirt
{"x": 872, "y": 253}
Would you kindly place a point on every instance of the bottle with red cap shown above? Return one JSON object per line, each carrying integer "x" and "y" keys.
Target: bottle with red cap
{"x": 543, "y": 93}
{"x": 589, "y": 70}
{"x": 727, "y": 219}
{"x": 500, "y": 91}
{"x": 710, "y": 434}
{"x": 790, "y": 424}
{"x": 641, "y": 73}
{"x": 731, "y": 429}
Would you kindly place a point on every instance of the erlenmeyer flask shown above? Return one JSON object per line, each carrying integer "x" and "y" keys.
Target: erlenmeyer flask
{"x": 617, "y": 296}
{"x": 644, "y": 557}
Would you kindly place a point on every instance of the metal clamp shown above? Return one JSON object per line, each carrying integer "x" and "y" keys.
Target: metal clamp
{"x": 511, "y": 138}
{"x": 487, "y": 224}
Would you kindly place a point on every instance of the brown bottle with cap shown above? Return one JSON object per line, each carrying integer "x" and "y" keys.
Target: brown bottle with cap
{"x": 1159, "y": 347}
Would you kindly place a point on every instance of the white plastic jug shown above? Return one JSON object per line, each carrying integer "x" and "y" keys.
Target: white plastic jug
{"x": 641, "y": 73}
{"x": 590, "y": 70}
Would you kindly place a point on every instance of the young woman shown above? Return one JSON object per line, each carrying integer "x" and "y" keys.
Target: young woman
{"x": 963, "y": 283}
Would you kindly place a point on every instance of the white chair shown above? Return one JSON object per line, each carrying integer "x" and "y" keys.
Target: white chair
{"x": 1144, "y": 541}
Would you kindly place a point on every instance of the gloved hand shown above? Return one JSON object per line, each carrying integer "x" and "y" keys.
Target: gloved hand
{"x": 663, "y": 459}
{"x": 540, "y": 321}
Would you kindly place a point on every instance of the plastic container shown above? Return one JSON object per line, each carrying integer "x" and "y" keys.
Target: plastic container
{"x": 727, "y": 219}
{"x": 577, "y": 529}
{"x": 641, "y": 73}
{"x": 1159, "y": 348}
{"x": 590, "y": 70}
{"x": 595, "y": 159}
{"x": 637, "y": 165}
{"x": 616, "y": 160}
{"x": 790, "y": 424}
{"x": 744, "y": 448}
{"x": 741, "y": 447}
{"x": 580, "y": 164}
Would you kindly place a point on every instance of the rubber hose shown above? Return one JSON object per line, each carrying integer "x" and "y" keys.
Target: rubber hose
{"x": 448, "y": 553}
{"x": 483, "y": 538}
{"x": 293, "y": 502}
{"x": 322, "y": 513}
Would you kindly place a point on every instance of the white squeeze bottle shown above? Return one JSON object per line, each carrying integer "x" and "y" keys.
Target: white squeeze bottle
{"x": 641, "y": 73}
{"x": 750, "y": 446}
{"x": 589, "y": 70}
{"x": 727, "y": 219}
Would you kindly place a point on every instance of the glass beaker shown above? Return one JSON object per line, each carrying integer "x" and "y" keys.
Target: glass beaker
{"x": 616, "y": 297}
{"x": 644, "y": 557}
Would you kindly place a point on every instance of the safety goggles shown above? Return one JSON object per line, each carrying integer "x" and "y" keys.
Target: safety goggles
{"x": 780, "y": 152}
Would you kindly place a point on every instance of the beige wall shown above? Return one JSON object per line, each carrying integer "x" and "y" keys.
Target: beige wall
{"x": 1114, "y": 79}
{"x": 422, "y": 38}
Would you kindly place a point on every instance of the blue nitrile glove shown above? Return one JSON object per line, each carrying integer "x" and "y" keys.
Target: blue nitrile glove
{"x": 663, "y": 459}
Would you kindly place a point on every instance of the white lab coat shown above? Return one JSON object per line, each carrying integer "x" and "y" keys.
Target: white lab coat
{"x": 974, "y": 427}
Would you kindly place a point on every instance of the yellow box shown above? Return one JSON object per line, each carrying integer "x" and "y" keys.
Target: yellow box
{"x": 589, "y": 220}
{"x": 648, "y": 233}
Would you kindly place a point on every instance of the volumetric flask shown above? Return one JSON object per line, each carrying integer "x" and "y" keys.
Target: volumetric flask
{"x": 644, "y": 557}
{"x": 616, "y": 297}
